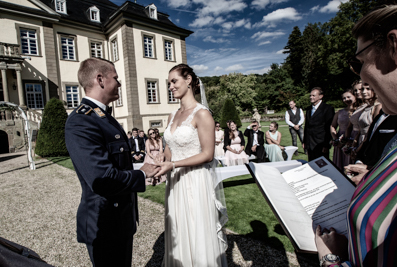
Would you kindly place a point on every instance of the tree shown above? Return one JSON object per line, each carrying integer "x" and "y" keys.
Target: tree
{"x": 51, "y": 136}
{"x": 229, "y": 112}
{"x": 293, "y": 62}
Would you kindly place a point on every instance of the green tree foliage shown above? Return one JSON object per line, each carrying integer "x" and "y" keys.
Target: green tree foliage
{"x": 294, "y": 49}
{"x": 240, "y": 89}
{"x": 229, "y": 112}
{"x": 51, "y": 136}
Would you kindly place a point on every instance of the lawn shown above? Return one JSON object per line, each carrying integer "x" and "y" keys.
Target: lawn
{"x": 248, "y": 211}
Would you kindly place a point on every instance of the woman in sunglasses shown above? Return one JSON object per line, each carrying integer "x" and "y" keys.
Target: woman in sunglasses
{"x": 154, "y": 154}
{"x": 371, "y": 216}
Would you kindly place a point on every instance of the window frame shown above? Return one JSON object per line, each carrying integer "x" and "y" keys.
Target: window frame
{"x": 156, "y": 121}
{"x": 153, "y": 45}
{"x": 172, "y": 49}
{"x": 91, "y": 11}
{"x": 26, "y": 83}
{"x": 112, "y": 41}
{"x": 63, "y": 3}
{"x": 157, "y": 91}
{"x": 72, "y": 84}
{"x": 38, "y": 38}
{"x": 119, "y": 101}
{"x": 168, "y": 94}
{"x": 74, "y": 37}
{"x": 92, "y": 41}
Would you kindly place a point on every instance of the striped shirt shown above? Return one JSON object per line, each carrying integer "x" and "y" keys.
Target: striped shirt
{"x": 372, "y": 216}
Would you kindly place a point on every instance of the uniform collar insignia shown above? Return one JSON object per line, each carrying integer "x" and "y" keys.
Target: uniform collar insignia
{"x": 99, "y": 112}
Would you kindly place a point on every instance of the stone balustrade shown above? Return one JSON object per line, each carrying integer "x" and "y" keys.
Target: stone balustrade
{"x": 9, "y": 50}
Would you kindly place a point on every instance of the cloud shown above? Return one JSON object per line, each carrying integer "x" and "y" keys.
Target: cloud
{"x": 315, "y": 8}
{"x": 228, "y": 25}
{"x": 280, "y": 52}
{"x": 235, "y": 68}
{"x": 264, "y": 43}
{"x": 261, "y": 4}
{"x": 219, "y": 20}
{"x": 199, "y": 68}
{"x": 262, "y": 35}
{"x": 202, "y": 21}
{"x": 332, "y": 6}
{"x": 259, "y": 71}
{"x": 218, "y": 68}
{"x": 243, "y": 22}
{"x": 279, "y": 15}
{"x": 220, "y": 6}
{"x": 177, "y": 3}
{"x": 216, "y": 41}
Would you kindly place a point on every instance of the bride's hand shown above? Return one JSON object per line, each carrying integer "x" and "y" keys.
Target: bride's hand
{"x": 164, "y": 167}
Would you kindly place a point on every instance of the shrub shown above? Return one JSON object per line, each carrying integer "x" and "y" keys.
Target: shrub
{"x": 229, "y": 112}
{"x": 51, "y": 136}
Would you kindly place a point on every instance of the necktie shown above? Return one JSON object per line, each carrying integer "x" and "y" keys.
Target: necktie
{"x": 109, "y": 109}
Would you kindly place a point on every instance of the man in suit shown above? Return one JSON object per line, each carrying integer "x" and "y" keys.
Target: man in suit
{"x": 317, "y": 134}
{"x": 294, "y": 117}
{"x": 101, "y": 156}
{"x": 137, "y": 145}
{"x": 256, "y": 141}
{"x": 381, "y": 131}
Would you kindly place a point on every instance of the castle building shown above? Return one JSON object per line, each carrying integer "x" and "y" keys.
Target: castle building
{"x": 43, "y": 42}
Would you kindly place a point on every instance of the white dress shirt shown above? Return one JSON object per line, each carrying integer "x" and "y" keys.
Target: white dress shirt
{"x": 314, "y": 108}
{"x": 301, "y": 120}
{"x": 255, "y": 142}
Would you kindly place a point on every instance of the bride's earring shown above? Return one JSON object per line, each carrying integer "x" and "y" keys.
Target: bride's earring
{"x": 188, "y": 86}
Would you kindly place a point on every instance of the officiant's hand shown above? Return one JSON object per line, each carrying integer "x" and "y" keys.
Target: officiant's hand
{"x": 329, "y": 241}
{"x": 164, "y": 168}
{"x": 149, "y": 169}
{"x": 359, "y": 171}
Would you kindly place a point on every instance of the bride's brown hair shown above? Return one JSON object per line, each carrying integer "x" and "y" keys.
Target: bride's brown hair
{"x": 184, "y": 70}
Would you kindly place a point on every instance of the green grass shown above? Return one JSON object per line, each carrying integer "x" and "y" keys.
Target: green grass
{"x": 248, "y": 211}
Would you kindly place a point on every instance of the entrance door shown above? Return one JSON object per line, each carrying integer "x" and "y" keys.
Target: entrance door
{"x": 4, "y": 146}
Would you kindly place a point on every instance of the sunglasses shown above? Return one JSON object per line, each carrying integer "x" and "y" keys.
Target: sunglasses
{"x": 152, "y": 133}
{"x": 355, "y": 64}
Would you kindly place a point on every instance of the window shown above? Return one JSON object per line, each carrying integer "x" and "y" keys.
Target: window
{"x": 96, "y": 49}
{"x": 115, "y": 51}
{"x": 148, "y": 45}
{"x": 68, "y": 50}
{"x": 72, "y": 96}
{"x": 171, "y": 98}
{"x": 152, "y": 9}
{"x": 29, "y": 42}
{"x": 60, "y": 6}
{"x": 152, "y": 92}
{"x": 1, "y": 91}
{"x": 156, "y": 124}
{"x": 119, "y": 102}
{"x": 94, "y": 14}
{"x": 168, "y": 50}
{"x": 34, "y": 95}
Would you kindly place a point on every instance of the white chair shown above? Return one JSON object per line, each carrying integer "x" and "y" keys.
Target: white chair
{"x": 290, "y": 150}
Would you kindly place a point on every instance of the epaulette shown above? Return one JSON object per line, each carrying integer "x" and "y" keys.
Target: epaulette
{"x": 84, "y": 109}
{"x": 99, "y": 112}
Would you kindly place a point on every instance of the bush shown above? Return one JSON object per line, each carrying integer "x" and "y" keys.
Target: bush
{"x": 336, "y": 103}
{"x": 51, "y": 136}
{"x": 229, "y": 112}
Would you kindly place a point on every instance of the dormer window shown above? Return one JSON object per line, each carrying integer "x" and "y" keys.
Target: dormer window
{"x": 152, "y": 9}
{"x": 94, "y": 14}
{"x": 60, "y": 6}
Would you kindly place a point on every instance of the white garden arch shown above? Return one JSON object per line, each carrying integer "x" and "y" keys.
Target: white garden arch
{"x": 27, "y": 129}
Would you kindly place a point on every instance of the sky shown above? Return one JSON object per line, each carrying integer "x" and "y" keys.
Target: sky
{"x": 244, "y": 36}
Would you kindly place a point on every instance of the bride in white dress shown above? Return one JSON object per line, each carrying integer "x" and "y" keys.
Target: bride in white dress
{"x": 194, "y": 206}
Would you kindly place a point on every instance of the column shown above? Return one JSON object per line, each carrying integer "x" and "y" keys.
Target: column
{"x": 3, "y": 67}
{"x": 20, "y": 87}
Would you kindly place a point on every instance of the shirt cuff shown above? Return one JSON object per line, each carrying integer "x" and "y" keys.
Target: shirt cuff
{"x": 249, "y": 127}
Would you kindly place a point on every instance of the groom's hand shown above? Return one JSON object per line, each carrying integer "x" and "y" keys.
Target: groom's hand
{"x": 150, "y": 170}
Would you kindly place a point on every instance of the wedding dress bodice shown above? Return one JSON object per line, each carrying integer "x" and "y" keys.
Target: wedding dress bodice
{"x": 184, "y": 141}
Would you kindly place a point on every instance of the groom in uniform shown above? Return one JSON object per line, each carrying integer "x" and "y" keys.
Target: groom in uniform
{"x": 99, "y": 149}
{"x": 256, "y": 141}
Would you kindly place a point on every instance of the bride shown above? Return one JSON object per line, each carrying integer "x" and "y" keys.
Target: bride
{"x": 194, "y": 204}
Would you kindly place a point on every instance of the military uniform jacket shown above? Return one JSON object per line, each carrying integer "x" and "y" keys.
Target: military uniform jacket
{"x": 101, "y": 156}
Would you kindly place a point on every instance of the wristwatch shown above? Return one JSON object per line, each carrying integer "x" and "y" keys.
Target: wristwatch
{"x": 330, "y": 258}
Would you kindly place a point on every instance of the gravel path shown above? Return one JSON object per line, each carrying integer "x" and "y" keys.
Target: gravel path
{"x": 38, "y": 210}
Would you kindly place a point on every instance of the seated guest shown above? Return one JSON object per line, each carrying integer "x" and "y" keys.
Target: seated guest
{"x": 234, "y": 147}
{"x": 255, "y": 142}
{"x": 142, "y": 134}
{"x": 154, "y": 155}
{"x": 219, "y": 136}
{"x": 129, "y": 135}
{"x": 137, "y": 147}
{"x": 272, "y": 146}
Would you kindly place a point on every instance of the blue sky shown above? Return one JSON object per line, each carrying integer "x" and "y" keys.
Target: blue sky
{"x": 240, "y": 36}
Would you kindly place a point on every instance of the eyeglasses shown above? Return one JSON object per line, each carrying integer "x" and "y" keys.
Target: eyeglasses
{"x": 217, "y": 126}
{"x": 152, "y": 133}
{"x": 254, "y": 126}
{"x": 355, "y": 64}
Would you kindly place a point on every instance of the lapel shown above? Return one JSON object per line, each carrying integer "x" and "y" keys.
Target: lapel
{"x": 317, "y": 110}
{"x": 108, "y": 118}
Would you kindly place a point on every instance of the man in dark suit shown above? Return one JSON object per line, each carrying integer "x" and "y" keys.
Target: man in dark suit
{"x": 137, "y": 145}
{"x": 381, "y": 131}
{"x": 317, "y": 134}
{"x": 101, "y": 156}
{"x": 255, "y": 142}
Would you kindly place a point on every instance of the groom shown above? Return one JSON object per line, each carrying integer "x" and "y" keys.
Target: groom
{"x": 101, "y": 156}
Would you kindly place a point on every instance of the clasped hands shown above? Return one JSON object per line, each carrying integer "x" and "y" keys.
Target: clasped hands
{"x": 329, "y": 241}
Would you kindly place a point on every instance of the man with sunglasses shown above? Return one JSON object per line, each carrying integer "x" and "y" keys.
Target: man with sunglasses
{"x": 256, "y": 141}
{"x": 317, "y": 133}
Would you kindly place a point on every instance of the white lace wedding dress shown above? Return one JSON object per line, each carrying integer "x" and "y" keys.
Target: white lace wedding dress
{"x": 194, "y": 213}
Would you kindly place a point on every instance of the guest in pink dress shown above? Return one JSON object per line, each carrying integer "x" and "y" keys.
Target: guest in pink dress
{"x": 234, "y": 145}
{"x": 342, "y": 120}
{"x": 154, "y": 154}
